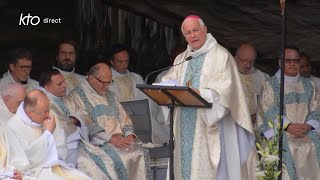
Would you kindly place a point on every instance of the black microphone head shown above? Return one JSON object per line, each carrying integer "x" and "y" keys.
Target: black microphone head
{"x": 188, "y": 58}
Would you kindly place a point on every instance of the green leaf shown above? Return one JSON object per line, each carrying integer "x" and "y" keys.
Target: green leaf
{"x": 270, "y": 124}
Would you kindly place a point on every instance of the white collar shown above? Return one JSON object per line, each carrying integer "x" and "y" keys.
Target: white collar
{"x": 24, "y": 117}
{"x": 209, "y": 44}
{"x": 64, "y": 72}
{"x": 288, "y": 78}
{"x": 117, "y": 74}
{"x": 8, "y": 74}
{"x": 50, "y": 96}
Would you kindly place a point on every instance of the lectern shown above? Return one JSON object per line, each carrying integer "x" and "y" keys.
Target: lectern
{"x": 173, "y": 96}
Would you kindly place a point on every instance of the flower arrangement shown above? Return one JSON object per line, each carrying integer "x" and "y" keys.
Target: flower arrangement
{"x": 268, "y": 151}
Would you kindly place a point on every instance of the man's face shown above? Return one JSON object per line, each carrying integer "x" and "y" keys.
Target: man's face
{"x": 245, "y": 60}
{"x": 120, "y": 62}
{"x": 57, "y": 86}
{"x": 41, "y": 112}
{"x": 292, "y": 62}
{"x": 305, "y": 67}
{"x": 66, "y": 57}
{"x": 21, "y": 70}
{"x": 101, "y": 82}
{"x": 194, "y": 34}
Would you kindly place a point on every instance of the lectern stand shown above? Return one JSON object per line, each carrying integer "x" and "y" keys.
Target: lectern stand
{"x": 173, "y": 96}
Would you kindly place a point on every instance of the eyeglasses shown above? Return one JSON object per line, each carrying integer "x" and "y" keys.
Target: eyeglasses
{"x": 42, "y": 113}
{"x": 194, "y": 31}
{"x": 245, "y": 61}
{"x": 296, "y": 61}
{"x": 23, "y": 68}
{"x": 104, "y": 82}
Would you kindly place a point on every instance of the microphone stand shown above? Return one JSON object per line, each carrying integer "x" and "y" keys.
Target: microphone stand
{"x": 171, "y": 107}
{"x": 153, "y": 72}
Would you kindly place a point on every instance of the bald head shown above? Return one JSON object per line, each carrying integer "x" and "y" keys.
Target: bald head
{"x": 100, "y": 77}
{"x": 37, "y": 106}
{"x": 98, "y": 68}
{"x": 34, "y": 98}
{"x": 13, "y": 94}
{"x": 245, "y": 57}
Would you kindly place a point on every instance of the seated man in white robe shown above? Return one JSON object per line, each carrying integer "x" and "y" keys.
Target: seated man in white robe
{"x": 86, "y": 157}
{"x": 39, "y": 146}
{"x": 124, "y": 88}
{"x": 7, "y": 169}
{"x": 306, "y": 69}
{"x": 108, "y": 124}
{"x": 20, "y": 64}
{"x": 251, "y": 77}
{"x": 301, "y": 139}
{"x": 12, "y": 95}
{"x": 65, "y": 62}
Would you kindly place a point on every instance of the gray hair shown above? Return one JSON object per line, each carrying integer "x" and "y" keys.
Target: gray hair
{"x": 11, "y": 89}
{"x": 199, "y": 20}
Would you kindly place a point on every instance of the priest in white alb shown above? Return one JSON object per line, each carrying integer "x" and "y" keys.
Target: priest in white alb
{"x": 33, "y": 127}
{"x": 65, "y": 62}
{"x": 108, "y": 124}
{"x": 215, "y": 143}
{"x": 73, "y": 149}
{"x": 12, "y": 95}
{"x": 20, "y": 64}
{"x": 306, "y": 70}
{"x": 251, "y": 77}
{"x": 12, "y": 159}
{"x": 301, "y": 118}
{"x": 124, "y": 88}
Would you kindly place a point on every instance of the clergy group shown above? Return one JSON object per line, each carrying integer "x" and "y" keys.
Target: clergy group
{"x": 68, "y": 126}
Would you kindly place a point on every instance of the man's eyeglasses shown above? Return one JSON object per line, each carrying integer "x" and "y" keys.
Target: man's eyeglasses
{"x": 194, "y": 31}
{"x": 296, "y": 61}
{"x": 42, "y": 113}
{"x": 104, "y": 82}
{"x": 23, "y": 68}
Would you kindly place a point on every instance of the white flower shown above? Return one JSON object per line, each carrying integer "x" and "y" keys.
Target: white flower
{"x": 271, "y": 158}
{"x": 260, "y": 174}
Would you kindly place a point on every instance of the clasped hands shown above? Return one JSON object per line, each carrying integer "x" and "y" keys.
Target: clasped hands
{"x": 122, "y": 142}
{"x": 298, "y": 129}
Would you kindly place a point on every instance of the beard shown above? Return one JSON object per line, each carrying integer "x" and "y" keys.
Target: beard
{"x": 66, "y": 65}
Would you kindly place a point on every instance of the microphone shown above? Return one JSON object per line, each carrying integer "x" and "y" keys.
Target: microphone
{"x": 146, "y": 80}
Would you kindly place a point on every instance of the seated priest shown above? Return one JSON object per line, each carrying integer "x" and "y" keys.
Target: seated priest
{"x": 109, "y": 126}
{"x": 38, "y": 145}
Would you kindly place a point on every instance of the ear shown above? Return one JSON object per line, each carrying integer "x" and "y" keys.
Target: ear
{"x": 111, "y": 61}
{"x": 46, "y": 87}
{"x": 12, "y": 67}
{"x": 89, "y": 77}
{"x": 6, "y": 98}
{"x": 205, "y": 29}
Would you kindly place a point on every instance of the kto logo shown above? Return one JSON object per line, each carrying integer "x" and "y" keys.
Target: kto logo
{"x": 26, "y": 20}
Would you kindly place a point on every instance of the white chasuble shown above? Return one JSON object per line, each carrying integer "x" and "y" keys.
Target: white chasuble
{"x": 301, "y": 105}
{"x": 104, "y": 117}
{"x": 215, "y": 143}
